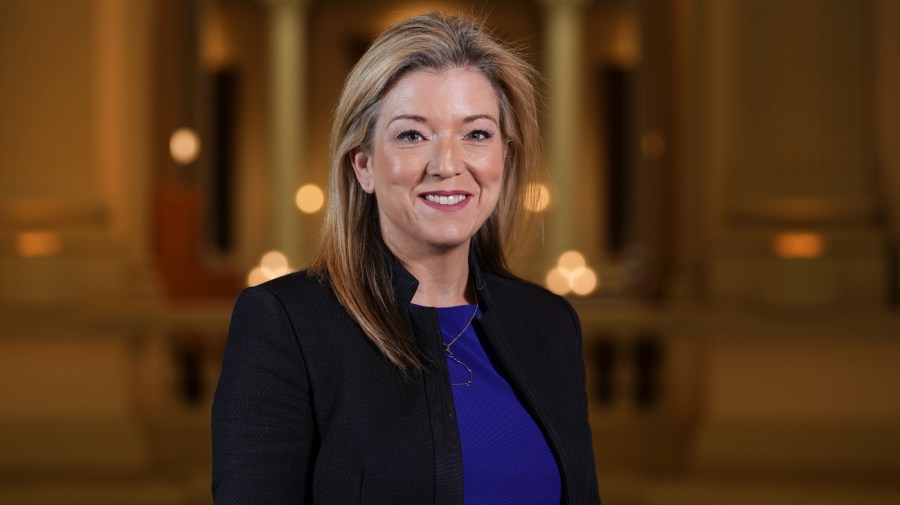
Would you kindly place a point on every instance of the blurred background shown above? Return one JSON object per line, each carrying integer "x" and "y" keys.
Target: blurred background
{"x": 722, "y": 206}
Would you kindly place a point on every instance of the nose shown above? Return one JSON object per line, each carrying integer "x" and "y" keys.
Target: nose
{"x": 446, "y": 159}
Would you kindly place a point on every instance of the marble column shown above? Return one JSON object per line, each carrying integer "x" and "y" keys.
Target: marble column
{"x": 790, "y": 151}
{"x": 287, "y": 30}
{"x": 74, "y": 182}
{"x": 563, "y": 64}
{"x": 887, "y": 79}
{"x": 802, "y": 119}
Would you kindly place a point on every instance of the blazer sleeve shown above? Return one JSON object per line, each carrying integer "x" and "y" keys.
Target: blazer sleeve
{"x": 586, "y": 448}
{"x": 263, "y": 429}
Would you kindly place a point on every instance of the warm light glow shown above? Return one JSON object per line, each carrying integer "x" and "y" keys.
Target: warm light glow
{"x": 538, "y": 198}
{"x": 310, "y": 198}
{"x": 256, "y": 277}
{"x": 184, "y": 146}
{"x": 558, "y": 282}
{"x": 625, "y": 43}
{"x": 572, "y": 274}
{"x": 653, "y": 145}
{"x": 799, "y": 245}
{"x": 584, "y": 282}
{"x": 37, "y": 244}
{"x": 570, "y": 261}
{"x": 273, "y": 264}
{"x": 216, "y": 47}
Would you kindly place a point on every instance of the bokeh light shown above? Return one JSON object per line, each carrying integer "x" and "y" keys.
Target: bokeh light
{"x": 653, "y": 145}
{"x": 37, "y": 244}
{"x": 184, "y": 146}
{"x": 256, "y": 277}
{"x": 558, "y": 282}
{"x": 799, "y": 245}
{"x": 570, "y": 261}
{"x": 583, "y": 282}
{"x": 310, "y": 198}
{"x": 538, "y": 198}
{"x": 273, "y": 264}
{"x": 572, "y": 274}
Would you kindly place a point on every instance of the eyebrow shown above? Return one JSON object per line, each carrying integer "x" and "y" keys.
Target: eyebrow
{"x": 469, "y": 119}
{"x": 420, "y": 119}
{"x": 413, "y": 117}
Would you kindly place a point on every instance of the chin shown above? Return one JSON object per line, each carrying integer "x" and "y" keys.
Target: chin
{"x": 449, "y": 243}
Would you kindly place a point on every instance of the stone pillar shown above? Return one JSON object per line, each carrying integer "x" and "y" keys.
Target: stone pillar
{"x": 287, "y": 28}
{"x": 123, "y": 121}
{"x": 887, "y": 36}
{"x": 803, "y": 122}
{"x": 791, "y": 158}
{"x": 784, "y": 144}
{"x": 73, "y": 234}
{"x": 649, "y": 249}
{"x": 563, "y": 50}
{"x": 74, "y": 182}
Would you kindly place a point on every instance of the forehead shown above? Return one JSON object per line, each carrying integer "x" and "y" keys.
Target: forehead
{"x": 457, "y": 90}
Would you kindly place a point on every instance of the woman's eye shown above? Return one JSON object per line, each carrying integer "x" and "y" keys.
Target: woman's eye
{"x": 411, "y": 136}
{"x": 479, "y": 135}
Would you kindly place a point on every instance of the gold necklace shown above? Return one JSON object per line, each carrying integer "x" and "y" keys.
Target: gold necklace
{"x": 453, "y": 357}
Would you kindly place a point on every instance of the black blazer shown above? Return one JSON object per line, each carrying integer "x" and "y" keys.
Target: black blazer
{"x": 307, "y": 410}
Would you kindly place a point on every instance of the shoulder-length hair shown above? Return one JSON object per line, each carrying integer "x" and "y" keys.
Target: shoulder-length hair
{"x": 351, "y": 254}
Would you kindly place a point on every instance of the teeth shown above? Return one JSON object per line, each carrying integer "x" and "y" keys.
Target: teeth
{"x": 445, "y": 200}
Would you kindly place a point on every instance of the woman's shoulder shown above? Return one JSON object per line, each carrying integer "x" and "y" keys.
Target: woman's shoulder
{"x": 532, "y": 304}
{"x": 525, "y": 293}
{"x": 302, "y": 290}
{"x": 294, "y": 283}
{"x": 536, "y": 319}
{"x": 302, "y": 305}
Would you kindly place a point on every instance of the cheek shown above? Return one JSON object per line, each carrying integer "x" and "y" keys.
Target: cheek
{"x": 490, "y": 178}
{"x": 399, "y": 172}
{"x": 492, "y": 169}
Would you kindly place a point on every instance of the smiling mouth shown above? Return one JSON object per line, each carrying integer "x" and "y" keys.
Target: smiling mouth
{"x": 446, "y": 200}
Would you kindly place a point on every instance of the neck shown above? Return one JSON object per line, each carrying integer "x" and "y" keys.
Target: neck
{"x": 443, "y": 277}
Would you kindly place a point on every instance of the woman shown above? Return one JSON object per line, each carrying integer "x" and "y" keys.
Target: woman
{"x": 408, "y": 365}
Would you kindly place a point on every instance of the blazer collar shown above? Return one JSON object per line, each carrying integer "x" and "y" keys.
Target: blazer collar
{"x": 405, "y": 284}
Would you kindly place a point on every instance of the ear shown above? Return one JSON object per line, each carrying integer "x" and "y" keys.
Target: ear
{"x": 362, "y": 167}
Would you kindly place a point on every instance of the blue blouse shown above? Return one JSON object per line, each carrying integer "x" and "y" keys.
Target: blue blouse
{"x": 506, "y": 459}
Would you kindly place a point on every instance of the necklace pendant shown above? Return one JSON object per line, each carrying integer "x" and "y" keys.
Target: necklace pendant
{"x": 468, "y": 370}
{"x": 454, "y": 358}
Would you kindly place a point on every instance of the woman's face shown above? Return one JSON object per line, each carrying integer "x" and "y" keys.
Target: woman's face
{"x": 436, "y": 161}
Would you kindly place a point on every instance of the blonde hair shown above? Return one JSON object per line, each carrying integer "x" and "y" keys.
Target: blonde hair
{"x": 352, "y": 254}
